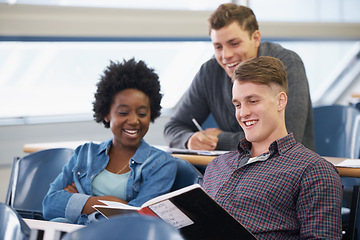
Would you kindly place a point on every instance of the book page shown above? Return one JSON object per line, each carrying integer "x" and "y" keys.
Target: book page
{"x": 167, "y": 211}
{"x": 111, "y": 204}
{"x": 170, "y": 195}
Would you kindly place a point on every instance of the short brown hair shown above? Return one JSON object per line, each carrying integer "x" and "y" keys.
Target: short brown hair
{"x": 262, "y": 70}
{"x": 228, "y": 13}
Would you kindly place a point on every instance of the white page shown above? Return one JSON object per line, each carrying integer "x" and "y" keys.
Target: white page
{"x": 111, "y": 204}
{"x": 167, "y": 211}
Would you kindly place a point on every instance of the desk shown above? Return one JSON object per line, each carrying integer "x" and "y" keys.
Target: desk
{"x": 194, "y": 159}
{"x": 49, "y": 230}
{"x": 343, "y": 171}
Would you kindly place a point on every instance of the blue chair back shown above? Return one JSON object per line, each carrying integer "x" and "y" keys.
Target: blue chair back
{"x": 31, "y": 177}
{"x": 351, "y": 208}
{"x": 186, "y": 174}
{"x": 12, "y": 226}
{"x": 337, "y": 131}
{"x": 129, "y": 227}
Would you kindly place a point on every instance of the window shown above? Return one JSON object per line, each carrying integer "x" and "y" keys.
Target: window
{"x": 138, "y": 4}
{"x": 59, "y": 78}
{"x": 306, "y": 10}
{"x": 46, "y": 75}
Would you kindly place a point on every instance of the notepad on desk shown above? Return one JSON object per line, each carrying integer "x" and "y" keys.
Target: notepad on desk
{"x": 349, "y": 163}
{"x": 188, "y": 151}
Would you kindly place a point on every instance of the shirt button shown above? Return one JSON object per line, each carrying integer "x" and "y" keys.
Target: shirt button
{"x": 78, "y": 173}
{"x": 132, "y": 162}
{"x": 221, "y": 195}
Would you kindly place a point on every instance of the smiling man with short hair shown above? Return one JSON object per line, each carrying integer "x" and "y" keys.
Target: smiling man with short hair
{"x": 235, "y": 35}
{"x": 272, "y": 184}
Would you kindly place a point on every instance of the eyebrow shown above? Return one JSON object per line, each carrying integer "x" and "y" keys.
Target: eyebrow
{"x": 247, "y": 97}
{"x": 252, "y": 96}
{"x": 127, "y": 106}
{"x": 232, "y": 40}
{"x": 122, "y": 106}
{"x": 229, "y": 41}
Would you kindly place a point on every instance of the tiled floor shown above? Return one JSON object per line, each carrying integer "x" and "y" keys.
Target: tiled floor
{"x": 4, "y": 181}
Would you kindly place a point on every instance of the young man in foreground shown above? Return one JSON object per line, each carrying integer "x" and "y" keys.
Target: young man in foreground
{"x": 273, "y": 185}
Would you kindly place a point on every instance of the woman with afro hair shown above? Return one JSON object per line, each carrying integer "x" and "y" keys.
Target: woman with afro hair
{"x": 125, "y": 168}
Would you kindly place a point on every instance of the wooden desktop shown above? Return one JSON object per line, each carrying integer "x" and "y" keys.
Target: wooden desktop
{"x": 194, "y": 159}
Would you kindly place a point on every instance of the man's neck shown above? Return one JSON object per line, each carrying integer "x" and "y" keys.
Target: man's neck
{"x": 258, "y": 148}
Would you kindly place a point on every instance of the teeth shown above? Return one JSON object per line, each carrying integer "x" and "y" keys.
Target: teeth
{"x": 131, "y": 131}
{"x": 250, "y": 123}
{"x": 232, "y": 64}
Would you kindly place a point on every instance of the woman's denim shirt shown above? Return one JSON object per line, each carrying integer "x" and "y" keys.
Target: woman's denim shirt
{"x": 152, "y": 174}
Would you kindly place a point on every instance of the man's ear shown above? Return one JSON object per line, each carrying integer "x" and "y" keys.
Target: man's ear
{"x": 282, "y": 101}
{"x": 257, "y": 38}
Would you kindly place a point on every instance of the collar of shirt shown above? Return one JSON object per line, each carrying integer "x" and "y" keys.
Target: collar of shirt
{"x": 141, "y": 154}
{"x": 279, "y": 146}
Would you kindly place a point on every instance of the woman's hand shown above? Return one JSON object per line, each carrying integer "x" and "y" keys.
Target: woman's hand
{"x": 71, "y": 188}
{"x": 95, "y": 201}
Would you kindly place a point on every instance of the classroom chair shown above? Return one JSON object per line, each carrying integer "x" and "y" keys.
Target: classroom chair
{"x": 355, "y": 105}
{"x": 12, "y": 226}
{"x": 31, "y": 177}
{"x": 337, "y": 131}
{"x": 337, "y": 134}
{"x": 130, "y": 227}
{"x": 186, "y": 175}
{"x": 350, "y": 210}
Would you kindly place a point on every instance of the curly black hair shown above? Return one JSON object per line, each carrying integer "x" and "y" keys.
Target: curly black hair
{"x": 120, "y": 76}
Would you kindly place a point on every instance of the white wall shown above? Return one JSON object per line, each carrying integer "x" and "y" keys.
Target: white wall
{"x": 32, "y": 20}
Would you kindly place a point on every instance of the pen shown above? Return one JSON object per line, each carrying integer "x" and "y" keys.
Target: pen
{"x": 198, "y": 126}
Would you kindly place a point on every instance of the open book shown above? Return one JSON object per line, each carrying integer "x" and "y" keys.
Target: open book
{"x": 349, "y": 163}
{"x": 189, "y": 209}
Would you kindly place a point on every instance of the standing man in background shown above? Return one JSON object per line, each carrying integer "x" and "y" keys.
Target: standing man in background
{"x": 235, "y": 35}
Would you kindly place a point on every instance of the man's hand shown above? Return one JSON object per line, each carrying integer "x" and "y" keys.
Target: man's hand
{"x": 198, "y": 141}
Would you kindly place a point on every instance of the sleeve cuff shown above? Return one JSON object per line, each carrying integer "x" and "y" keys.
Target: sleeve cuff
{"x": 75, "y": 206}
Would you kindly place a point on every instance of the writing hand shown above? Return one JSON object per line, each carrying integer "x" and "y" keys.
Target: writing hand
{"x": 198, "y": 141}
